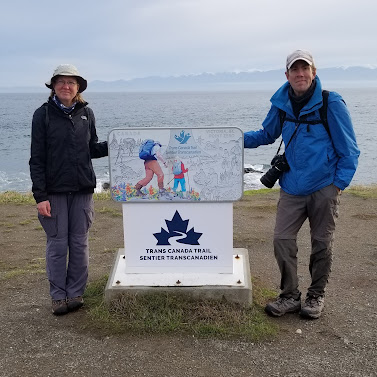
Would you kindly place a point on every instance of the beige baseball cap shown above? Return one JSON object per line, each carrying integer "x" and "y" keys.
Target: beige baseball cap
{"x": 68, "y": 70}
{"x": 304, "y": 55}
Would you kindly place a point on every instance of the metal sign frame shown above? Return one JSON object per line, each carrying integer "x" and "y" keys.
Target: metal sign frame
{"x": 212, "y": 159}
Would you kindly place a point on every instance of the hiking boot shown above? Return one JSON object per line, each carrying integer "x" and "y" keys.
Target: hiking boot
{"x": 140, "y": 194}
{"x": 312, "y": 307}
{"x": 75, "y": 303}
{"x": 163, "y": 194}
{"x": 59, "y": 307}
{"x": 283, "y": 305}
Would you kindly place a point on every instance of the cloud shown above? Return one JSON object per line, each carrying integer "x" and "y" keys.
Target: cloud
{"x": 124, "y": 39}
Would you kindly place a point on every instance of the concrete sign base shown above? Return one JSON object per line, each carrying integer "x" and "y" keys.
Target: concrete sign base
{"x": 234, "y": 287}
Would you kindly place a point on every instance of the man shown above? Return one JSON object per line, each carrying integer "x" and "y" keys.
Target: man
{"x": 320, "y": 163}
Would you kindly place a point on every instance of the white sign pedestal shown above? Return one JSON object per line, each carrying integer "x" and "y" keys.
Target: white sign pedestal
{"x": 234, "y": 287}
{"x": 179, "y": 237}
{"x": 170, "y": 237}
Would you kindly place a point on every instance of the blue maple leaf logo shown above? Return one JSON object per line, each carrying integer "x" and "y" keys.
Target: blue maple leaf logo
{"x": 177, "y": 228}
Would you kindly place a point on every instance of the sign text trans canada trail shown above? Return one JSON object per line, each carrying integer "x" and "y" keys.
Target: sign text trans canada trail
{"x": 178, "y": 251}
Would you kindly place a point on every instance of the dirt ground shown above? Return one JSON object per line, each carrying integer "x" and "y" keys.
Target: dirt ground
{"x": 342, "y": 342}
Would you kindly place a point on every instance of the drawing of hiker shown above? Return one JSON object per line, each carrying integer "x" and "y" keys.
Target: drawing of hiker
{"x": 150, "y": 152}
{"x": 179, "y": 171}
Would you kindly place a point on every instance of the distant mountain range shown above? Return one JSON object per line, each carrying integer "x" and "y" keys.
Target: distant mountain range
{"x": 351, "y": 76}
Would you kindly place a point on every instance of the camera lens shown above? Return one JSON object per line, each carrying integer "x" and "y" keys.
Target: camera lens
{"x": 279, "y": 165}
{"x": 269, "y": 179}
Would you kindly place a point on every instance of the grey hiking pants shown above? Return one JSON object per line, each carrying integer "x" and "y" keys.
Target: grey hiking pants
{"x": 67, "y": 233}
{"x": 321, "y": 208}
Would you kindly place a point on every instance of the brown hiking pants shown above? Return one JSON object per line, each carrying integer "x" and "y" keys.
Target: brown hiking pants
{"x": 151, "y": 167}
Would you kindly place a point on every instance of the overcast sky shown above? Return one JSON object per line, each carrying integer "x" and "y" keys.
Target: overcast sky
{"x": 125, "y": 39}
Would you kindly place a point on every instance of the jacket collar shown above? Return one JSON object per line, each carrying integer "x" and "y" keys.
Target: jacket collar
{"x": 78, "y": 106}
{"x": 281, "y": 99}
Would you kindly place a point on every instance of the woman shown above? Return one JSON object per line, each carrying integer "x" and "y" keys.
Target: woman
{"x": 63, "y": 142}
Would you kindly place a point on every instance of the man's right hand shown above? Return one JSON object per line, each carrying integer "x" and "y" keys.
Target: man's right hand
{"x": 44, "y": 208}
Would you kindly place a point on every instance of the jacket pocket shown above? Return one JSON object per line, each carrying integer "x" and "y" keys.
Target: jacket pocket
{"x": 49, "y": 225}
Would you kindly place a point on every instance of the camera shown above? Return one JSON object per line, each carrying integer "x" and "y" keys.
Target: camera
{"x": 279, "y": 165}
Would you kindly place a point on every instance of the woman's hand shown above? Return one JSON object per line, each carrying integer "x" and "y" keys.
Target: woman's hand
{"x": 44, "y": 208}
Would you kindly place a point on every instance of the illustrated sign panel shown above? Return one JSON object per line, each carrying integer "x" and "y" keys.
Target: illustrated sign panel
{"x": 181, "y": 237}
{"x": 176, "y": 164}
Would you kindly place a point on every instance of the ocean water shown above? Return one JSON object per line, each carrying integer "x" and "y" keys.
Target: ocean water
{"x": 243, "y": 109}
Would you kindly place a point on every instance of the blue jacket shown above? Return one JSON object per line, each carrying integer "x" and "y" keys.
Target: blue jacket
{"x": 315, "y": 159}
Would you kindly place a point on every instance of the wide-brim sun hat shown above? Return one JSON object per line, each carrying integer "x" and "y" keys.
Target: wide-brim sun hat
{"x": 68, "y": 70}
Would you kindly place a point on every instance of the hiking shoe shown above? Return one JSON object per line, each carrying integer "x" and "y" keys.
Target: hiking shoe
{"x": 312, "y": 307}
{"x": 163, "y": 194}
{"x": 283, "y": 305}
{"x": 59, "y": 307}
{"x": 75, "y": 303}
{"x": 140, "y": 194}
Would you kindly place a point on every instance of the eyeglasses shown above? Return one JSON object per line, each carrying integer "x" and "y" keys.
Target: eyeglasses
{"x": 71, "y": 84}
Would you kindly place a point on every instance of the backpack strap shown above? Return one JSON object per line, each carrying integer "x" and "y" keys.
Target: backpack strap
{"x": 323, "y": 110}
{"x": 322, "y": 114}
{"x": 282, "y": 116}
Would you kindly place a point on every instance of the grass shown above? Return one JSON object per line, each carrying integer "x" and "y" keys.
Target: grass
{"x": 36, "y": 266}
{"x": 26, "y": 222}
{"x": 110, "y": 250}
{"x": 7, "y": 224}
{"x": 105, "y": 195}
{"x": 262, "y": 294}
{"x": 367, "y": 192}
{"x": 365, "y": 216}
{"x": 164, "y": 313}
{"x": 16, "y": 198}
{"x": 264, "y": 207}
{"x": 260, "y": 192}
{"x": 110, "y": 211}
{"x": 12, "y": 197}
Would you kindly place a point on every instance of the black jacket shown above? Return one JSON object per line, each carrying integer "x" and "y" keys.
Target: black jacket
{"x": 62, "y": 147}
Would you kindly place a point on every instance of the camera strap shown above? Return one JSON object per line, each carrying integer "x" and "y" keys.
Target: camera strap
{"x": 322, "y": 113}
{"x": 294, "y": 133}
